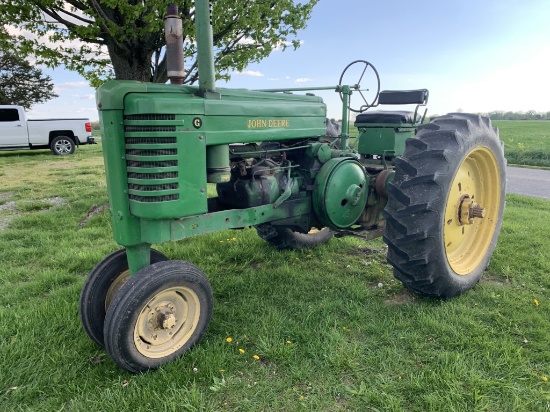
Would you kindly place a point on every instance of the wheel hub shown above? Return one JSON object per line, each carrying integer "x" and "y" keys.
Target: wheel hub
{"x": 166, "y": 319}
{"x": 468, "y": 210}
{"x": 167, "y": 322}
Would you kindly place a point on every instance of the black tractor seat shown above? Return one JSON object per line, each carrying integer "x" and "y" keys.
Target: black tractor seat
{"x": 396, "y": 117}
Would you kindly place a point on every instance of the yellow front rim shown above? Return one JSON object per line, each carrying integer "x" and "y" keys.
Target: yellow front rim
{"x": 167, "y": 322}
{"x": 120, "y": 280}
{"x": 472, "y": 210}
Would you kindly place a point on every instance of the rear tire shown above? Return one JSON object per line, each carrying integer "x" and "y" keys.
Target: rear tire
{"x": 62, "y": 145}
{"x": 284, "y": 238}
{"x": 446, "y": 204}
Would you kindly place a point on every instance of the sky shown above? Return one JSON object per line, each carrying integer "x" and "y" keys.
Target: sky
{"x": 472, "y": 55}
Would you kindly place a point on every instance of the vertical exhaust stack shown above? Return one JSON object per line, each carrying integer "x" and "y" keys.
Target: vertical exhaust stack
{"x": 218, "y": 168}
{"x": 173, "y": 33}
{"x": 205, "y": 46}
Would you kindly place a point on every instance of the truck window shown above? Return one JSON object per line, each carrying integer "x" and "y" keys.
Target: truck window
{"x": 9, "y": 115}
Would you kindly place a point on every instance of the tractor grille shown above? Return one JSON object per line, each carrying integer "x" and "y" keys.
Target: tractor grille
{"x": 151, "y": 158}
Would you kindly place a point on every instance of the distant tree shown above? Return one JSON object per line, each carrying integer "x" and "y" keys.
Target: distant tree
{"x": 125, "y": 38}
{"x": 21, "y": 83}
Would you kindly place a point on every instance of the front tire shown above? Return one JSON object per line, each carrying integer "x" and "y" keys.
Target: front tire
{"x": 62, "y": 145}
{"x": 101, "y": 285}
{"x": 284, "y": 238}
{"x": 446, "y": 204}
{"x": 159, "y": 314}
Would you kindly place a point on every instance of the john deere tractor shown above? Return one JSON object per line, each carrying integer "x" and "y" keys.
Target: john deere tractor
{"x": 434, "y": 191}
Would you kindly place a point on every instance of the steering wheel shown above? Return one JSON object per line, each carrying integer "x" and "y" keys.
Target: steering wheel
{"x": 362, "y": 68}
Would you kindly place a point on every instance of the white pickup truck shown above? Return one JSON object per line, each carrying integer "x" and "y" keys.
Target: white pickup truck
{"x": 61, "y": 136}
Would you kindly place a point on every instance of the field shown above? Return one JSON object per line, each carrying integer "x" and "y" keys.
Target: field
{"x": 331, "y": 328}
{"x": 526, "y": 142}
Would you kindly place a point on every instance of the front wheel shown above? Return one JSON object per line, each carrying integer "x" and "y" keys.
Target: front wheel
{"x": 157, "y": 315}
{"x": 100, "y": 287}
{"x": 446, "y": 204}
{"x": 62, "y": 145}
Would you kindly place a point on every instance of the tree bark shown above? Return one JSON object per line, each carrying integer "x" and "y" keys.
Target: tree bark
{"x": 131, "y": 63}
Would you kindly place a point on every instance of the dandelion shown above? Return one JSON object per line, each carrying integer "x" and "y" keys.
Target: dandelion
{"x": 301, "y": 397}
{"x": 233, "y": 239}
{"x": 536, "y": 302}
{"x": 222, "y": 370}
{"x": 289, "y": 342}
{"x": 229, "y": 339}
{"x": 241, "y": 351}
{"x": 256, "y": 357}
{"x": 544, "y": 378}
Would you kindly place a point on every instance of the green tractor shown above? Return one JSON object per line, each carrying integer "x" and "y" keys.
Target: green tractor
{"x": 434, "y": 191}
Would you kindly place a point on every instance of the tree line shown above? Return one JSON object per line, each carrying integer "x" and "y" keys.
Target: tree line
{"x": 528, "y": 115}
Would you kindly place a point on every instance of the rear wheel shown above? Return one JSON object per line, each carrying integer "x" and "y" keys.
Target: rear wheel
{"x": 284, "y": 238}
{"x": 446, "y": 204}
{"x": 157, "y": 315}
{"x": 62, "y": 145}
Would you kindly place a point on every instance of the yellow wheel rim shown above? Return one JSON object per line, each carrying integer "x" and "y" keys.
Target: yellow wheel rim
{"x": 167, "y": 322}
{"x": 115, "y": 286}
{"x": 472, "y": 210}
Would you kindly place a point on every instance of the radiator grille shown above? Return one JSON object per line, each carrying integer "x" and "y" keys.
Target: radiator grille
{"x": 151, "y": 158}
{"x": 150, "y": 117}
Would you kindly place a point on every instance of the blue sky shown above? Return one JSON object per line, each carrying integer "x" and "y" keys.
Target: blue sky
{"x": 474, "y": 55}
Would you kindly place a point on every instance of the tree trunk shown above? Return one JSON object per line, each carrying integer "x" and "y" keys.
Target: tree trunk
{"x": 131, "y": 62}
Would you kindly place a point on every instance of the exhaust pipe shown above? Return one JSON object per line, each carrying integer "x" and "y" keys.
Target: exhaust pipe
{"x": 173, "y": 33}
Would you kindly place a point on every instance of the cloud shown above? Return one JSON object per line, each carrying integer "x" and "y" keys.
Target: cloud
{"x": 303, "y": 80}
{"x": 281, "y": 45}
{"x": 251, "y": 73}
{"x": 273, "y": 79}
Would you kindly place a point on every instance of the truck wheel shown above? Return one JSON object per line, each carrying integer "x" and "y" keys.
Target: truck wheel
{"x": 446, "y": 203}
{"x": 100, "y": 287}
{"x": 62, "y": 145}
{"x": 284, "y": 238}
{"x": 157, "y": 315}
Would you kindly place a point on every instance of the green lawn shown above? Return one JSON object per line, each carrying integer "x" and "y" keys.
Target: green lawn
{"x": 331, "y": 327}
{"x": 526, "y": 142}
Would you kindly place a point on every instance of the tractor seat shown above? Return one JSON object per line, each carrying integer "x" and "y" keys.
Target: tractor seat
{"x": 396, "y": 117}
{"x": 388, "y": 117}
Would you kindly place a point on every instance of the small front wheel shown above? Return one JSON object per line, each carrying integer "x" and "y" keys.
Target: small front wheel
{"x": 62, "y": 145}
{"x": 100, "y": 287}
{"x": 157, "y": 315}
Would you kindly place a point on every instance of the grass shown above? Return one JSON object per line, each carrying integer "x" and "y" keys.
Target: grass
{"x": 333, "y": 330}
{"x": 526, "y": 142}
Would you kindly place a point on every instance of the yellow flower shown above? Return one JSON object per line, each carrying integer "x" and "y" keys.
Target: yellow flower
{"x": 222, "y": 370}
{"x": 536, "y": 302}
{"x": 289, "y": 342}
{"x": 301, "y": 397}
{"x": 233, "y": 238}
{"x": 544, "y": 378}
{"x": 256, "y": 357}
{"x": 229, "y": 340}
{"x": 241, "y": 350}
